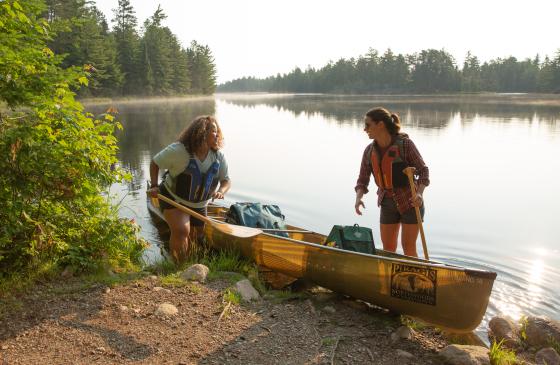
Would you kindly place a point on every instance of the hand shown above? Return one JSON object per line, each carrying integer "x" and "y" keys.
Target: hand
{"x": 153, "y": 192}
{"x": 417, "y": 200}
{"x": 359, "y": 203}
{"x": 217, "y": 195}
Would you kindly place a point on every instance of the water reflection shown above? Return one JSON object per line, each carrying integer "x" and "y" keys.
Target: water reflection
{"x": 421, "y": 111}
{"x": 492, "y": 203}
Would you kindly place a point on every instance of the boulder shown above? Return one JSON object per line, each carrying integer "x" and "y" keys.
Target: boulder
{"x": 541, "y": 332}
{"x": 547, "y": 356}
{"x": 403, "y": 332}
{"x": 246, "y": 290}
{"x": 196, "y": 272}
{"x": 465, "y": 355}
{"x": 504, "y": 329}
{"x": 166, "y": 309}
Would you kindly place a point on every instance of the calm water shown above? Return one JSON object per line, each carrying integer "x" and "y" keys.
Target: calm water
{"x": 494, "y": 169}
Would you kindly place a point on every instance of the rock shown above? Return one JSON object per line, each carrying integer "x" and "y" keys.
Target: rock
{"x": 329, "y": 309}
{"x": 403, "y": 332}
{"x": 107, "y": 290}
{"x": 465, "y": 355}
{"x": 504, "y": 329}
{"x": 123, "y": 308}
{"x": 547, "y": 356}
{"x": 68, "y": 272}
{"x": 246, "y": 290}
{"x": 166, "y": 309}
{"x": 159, "y": 288}
{"x": 196, "y": 272}
{"x": 404, "y": 354}
{"x": 541, "y": 331}
{"x": 153, "y": 277}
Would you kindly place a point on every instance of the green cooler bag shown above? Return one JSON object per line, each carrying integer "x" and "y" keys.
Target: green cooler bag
{"x": 352, "y": 238}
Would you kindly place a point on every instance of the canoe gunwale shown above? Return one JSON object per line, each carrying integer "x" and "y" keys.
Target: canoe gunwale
{"x": 485, "y": 274}
{"x": 417, "y": 261}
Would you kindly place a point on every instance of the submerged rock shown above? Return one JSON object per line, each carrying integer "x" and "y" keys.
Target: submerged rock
{"x": 196, "y": 272}
{"x": 465, "y": 355}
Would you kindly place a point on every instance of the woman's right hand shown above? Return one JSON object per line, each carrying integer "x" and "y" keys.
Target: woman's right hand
{"x": 359, "y": 202}
{"x": 153, "y": 191}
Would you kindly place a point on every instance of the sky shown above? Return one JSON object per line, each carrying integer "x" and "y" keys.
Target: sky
{"x": 265, "y": 37}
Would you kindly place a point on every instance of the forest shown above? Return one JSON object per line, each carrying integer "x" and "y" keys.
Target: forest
{"x": 126, "y": 59}
{"x": 429, "y": 71}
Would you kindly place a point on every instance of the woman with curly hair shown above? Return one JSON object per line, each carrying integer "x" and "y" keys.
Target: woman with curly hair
{"x": 196, "y": 172}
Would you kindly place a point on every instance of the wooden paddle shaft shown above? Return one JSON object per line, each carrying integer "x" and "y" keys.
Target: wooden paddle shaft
{"x": 409, "y": 171}
{"x": 185, "y": 209}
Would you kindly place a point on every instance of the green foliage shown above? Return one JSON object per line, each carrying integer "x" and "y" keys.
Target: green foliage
{"x": 56, "y": 160}
{"x": 231, "y": 296}
{"x": 499, "y": 355}
{"x": 412, "y": 323}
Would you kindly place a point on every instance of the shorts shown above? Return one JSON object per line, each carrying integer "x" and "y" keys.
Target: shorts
{"x": 195, "y": 222}
{"x": 391, "y": 215}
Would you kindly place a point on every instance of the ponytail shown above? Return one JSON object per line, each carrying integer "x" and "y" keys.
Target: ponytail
{"x": 391, "y": 120}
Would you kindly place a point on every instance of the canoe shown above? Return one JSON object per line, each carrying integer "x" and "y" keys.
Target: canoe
{"x": 447, "y": 296}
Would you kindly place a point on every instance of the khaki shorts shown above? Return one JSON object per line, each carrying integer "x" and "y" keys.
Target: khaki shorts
{"x": 390, "y": 214}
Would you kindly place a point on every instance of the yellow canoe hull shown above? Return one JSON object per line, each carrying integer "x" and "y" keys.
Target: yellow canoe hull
{"x": 450, "y": 297}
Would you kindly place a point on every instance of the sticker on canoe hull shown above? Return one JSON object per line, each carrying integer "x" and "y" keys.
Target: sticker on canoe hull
{"x": 413, "y": 283}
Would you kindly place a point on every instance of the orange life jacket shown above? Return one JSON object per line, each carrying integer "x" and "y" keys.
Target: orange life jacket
{"x": 388, "y": 169}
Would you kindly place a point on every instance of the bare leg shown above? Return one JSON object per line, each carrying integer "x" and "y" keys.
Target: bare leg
{"x": 179, "y": 224}
{"x": 389, "y": 236}
{"x": 408, "y": 239}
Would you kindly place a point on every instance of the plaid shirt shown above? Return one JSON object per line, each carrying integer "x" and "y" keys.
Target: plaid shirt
{"x": 403, "y": 195}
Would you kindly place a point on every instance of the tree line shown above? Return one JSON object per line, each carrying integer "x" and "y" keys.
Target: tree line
{"x": 426, "y": 72}
{"x": 124, "y": 60}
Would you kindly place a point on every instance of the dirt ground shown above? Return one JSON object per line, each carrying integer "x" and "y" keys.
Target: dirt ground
{"x": 65, "y": 323}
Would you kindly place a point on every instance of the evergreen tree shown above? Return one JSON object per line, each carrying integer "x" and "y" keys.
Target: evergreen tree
{"x": 471, "y": 76}
{"x": 201, "y": 69}
{"x": 127, "y": 45}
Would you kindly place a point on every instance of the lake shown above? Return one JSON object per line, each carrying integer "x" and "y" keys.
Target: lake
{"x": 493, "y": 159}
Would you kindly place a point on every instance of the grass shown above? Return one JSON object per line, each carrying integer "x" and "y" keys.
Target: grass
{"x": 280, "y": 296}
{"x": 173, "y": 280}
{"x": 413, "y": 324}
{"x": 554, "y": 344}
{"x": 499, "y": 355}
{"x": 328, "y": 341}
{"x": 19, "y": 282}
{"x": 231, "y": 296}
{"x": 523, "y": 322}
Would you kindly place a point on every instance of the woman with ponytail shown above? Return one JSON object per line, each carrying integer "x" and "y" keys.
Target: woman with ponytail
{"x": 385, "y": 158}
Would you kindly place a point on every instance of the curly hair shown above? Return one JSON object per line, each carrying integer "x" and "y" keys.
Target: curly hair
{"x": 194, "y": 135}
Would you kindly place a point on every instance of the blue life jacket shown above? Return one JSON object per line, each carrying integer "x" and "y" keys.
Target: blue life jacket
{"x": 193, "y": 186}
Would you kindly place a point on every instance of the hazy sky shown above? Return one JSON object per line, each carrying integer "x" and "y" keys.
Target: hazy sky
{"x": 263, "y": 37}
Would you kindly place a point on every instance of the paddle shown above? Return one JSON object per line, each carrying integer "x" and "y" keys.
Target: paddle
{"x": 238, "y": 231}
{"x": 409, "y": 171}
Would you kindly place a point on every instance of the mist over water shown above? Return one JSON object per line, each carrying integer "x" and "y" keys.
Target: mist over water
{"x": 492, "y": 202}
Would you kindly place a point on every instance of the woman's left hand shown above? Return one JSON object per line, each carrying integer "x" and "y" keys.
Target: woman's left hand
{"x": 217, "y": 195}
{"x": 417, "y": 201}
